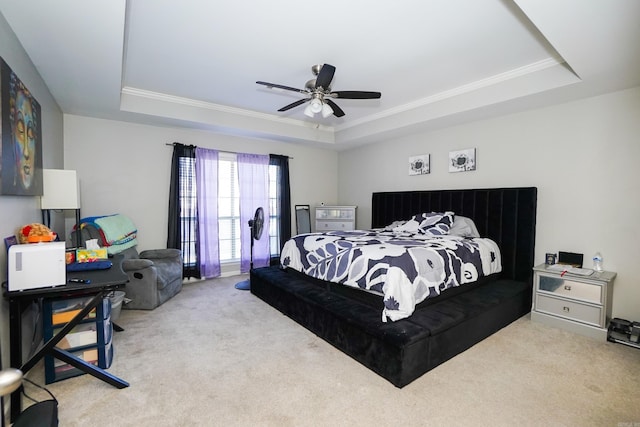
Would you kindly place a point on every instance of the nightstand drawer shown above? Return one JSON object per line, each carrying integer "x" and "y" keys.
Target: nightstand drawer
{"x": 334, "y": 218}
{"x": 570, "y": 310}
{"x": 565, "y": 287}
{"x": 335, "y": 213}
{"x": 333, "y": 225}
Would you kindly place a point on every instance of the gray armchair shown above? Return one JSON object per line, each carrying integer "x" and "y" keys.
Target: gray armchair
{"x": 154, "y": 275}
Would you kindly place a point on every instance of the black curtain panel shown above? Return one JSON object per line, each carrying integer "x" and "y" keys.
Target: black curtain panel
{"x": 284, "y": 200}
{"x": 183, "y": 213}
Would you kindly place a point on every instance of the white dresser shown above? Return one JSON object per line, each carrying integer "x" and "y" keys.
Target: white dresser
{"x": 580, "y": 304}
{"x": 330, "y": 218}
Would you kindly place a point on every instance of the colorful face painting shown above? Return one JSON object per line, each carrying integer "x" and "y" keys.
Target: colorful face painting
{"x": 21, "y": 138}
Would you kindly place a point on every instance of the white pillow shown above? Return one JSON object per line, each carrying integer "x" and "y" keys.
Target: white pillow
{"x": 463, "y": 227}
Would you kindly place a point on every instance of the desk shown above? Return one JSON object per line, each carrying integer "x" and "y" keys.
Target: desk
{"x": 102, "y": 283}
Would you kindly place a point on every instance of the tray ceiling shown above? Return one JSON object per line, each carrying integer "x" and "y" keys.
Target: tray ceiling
{"x": 437, "y": 63}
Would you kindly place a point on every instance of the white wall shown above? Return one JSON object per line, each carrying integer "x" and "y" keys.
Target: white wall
{"x": 125, "y": 168}
{"x": 16, "y": 211}
{"x": 19, "y": 210}
{"x": 582, "y": 156}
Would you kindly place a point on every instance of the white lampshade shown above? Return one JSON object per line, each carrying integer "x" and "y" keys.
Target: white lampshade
{"x": 60, "y": 189}
{"x": 308, "y": 112}
{"x": 316, "y": 105}
{"x": 326, "y": 110}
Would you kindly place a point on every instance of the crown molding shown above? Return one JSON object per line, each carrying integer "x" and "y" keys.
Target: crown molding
{"x": 460, "y": 90}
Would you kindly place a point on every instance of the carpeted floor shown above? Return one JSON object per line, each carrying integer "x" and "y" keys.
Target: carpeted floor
{"x": 217, "y": 356}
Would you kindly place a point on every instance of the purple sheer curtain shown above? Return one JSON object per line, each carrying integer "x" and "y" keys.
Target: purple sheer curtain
{"x": 253, "y": 179}
{"x": 207, "y": 194}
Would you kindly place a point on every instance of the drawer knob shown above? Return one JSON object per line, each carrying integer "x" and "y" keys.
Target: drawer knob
{"x": 567, "y": 287}
{"x": 565, "y": 309}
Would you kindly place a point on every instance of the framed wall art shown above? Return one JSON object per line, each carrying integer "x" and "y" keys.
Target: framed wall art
{"x": 419, "y": 165}
{"x": 21, "y": 135}
{"x": 462, "y": 160}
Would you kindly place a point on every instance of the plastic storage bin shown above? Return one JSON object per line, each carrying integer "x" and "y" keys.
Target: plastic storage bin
{"x": 90, "y": 340}
{"x": 116, "y": 304}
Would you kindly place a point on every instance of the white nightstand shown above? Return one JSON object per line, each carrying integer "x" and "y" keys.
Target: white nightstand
{"x": 580, "y": 304}
{"x": 331, "y": 218}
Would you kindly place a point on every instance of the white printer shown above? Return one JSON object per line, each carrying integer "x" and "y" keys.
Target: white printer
{"x": 36, "y": 265}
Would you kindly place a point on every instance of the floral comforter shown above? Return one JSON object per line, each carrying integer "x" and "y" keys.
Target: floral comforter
{"x": 405, "y": 268}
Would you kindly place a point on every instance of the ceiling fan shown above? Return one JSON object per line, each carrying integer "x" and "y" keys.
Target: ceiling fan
{"x": 319, "y": 92}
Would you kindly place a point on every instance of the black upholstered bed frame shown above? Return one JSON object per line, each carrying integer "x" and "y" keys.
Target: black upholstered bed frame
{"x": 440, "y": 328}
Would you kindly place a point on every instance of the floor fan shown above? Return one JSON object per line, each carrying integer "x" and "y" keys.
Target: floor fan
{"x": 255, "y": 225}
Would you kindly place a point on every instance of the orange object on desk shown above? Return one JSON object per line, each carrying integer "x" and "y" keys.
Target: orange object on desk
{"x": 38, "y": 239}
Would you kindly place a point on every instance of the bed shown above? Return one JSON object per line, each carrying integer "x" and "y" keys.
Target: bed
{"x": 439, "y": 327}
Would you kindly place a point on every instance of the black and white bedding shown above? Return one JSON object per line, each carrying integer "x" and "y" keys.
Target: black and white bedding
{"x": 406, "y": 264}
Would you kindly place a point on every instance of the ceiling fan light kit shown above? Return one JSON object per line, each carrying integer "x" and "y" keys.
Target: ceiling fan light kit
{"x": 318, "y": 90}
{"x": 318, "y": 106}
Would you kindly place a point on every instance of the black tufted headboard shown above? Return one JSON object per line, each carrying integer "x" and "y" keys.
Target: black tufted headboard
{"x": 505, "y": 215}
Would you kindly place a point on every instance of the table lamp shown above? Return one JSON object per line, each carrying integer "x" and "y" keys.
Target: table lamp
{"x": 61, "y": 191}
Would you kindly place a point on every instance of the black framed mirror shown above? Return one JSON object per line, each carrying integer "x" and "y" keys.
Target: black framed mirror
{"x": 303, "y": 219}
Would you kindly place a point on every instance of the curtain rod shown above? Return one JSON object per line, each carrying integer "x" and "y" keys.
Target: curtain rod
{"x": 222, "y": 151}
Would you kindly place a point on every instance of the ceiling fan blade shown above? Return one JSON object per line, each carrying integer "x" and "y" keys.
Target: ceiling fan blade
{"x": 325, "y": 76}
{"x": 337, "y": 111}
{"x": 273, "y": 85}
{"x": 294, "y": 104}
{"x": 355, "y": 94}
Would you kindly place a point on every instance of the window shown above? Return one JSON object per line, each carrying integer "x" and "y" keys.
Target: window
{"x": 274, "y": 210}
{"x": 188, "y": 211}
{"x": 228, "y": 209}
